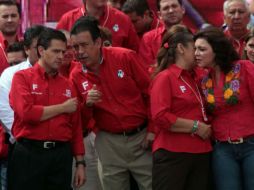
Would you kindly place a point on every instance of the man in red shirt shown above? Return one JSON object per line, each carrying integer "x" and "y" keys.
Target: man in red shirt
{"x": 113, "y": 84}
{"x": 46, "y": 122}
{"x": 141, "y": 16}
{"x": 9, "y": 24}
{"x": 171, "y": 12}
{"x": 123, "y": 32}
{"x": 237, "y": 17}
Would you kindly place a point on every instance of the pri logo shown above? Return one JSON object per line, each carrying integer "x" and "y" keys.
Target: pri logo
{"x": 116, "y": 27}
{"x": 120, "y": 73}
{"x": 183, "y": 89}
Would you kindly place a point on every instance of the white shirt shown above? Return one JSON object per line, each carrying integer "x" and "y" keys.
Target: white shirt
{"x": 6, "y": 112}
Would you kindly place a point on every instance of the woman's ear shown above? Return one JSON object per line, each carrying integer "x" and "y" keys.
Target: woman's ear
{"x": 180, "y": 48}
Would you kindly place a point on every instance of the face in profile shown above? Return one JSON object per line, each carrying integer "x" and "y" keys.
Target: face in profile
{"x": 204, "y": 54}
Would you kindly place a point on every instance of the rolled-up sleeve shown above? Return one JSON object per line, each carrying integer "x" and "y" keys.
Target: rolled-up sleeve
{"x": 161, "y": 101}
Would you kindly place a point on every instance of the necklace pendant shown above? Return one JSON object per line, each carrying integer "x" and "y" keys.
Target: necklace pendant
{"x": 204, "y": 114}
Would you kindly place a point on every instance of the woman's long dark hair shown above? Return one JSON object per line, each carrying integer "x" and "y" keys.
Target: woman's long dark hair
{"x": 225, "y": 53}
{"x": 177, "y": 34}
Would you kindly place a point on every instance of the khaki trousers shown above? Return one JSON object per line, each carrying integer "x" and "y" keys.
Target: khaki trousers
{"x": 119, "y": 155}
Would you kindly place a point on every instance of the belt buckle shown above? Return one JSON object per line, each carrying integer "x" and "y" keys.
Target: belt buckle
{"x": 239, "y": 141}
{"x": 49, "y": 144}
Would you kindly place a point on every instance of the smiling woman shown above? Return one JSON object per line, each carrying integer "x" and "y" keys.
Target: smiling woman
{"x": 249, "y": 47}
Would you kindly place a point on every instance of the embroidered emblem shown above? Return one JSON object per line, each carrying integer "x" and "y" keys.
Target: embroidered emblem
{"x": 67, "y": 93}
{"x": 182, "y": 88}
{"x": 116, "y": 27}
{"x": 85, "y": 85}
{"x": 120, "y": 73}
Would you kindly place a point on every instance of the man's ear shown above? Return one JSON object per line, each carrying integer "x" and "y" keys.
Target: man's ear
{"x": 98, "y": 42}
{"x": 41, "y": 50}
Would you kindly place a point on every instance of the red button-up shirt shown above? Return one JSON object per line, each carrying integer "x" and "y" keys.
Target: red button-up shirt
{"x": 123, "y": 82}
{"x": 31, "y": 90}
{"x": 239, "y": 44}
{"x": 150, "y": 44}
{"x": 123, "y": 32}
{"x": 171, "y": 98}
{"x": 235, "y": 121}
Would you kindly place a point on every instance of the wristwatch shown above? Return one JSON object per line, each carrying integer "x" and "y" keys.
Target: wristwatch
{"x": 83, "y": 162}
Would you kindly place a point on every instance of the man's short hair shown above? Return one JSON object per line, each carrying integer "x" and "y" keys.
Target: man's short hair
{"x": 137, "y": 6}
{"x": 32, "y": 33}
{"x": 15, "y": 47}
{"x": 87, "y": 24}
{"x": 159, "y": 1}
{"x": 11, "y": 3}
{"x": 227, "y": 2}
{"x": 47, "y": 36}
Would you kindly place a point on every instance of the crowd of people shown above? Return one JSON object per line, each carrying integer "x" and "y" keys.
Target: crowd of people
{"x": 119, "y": 97}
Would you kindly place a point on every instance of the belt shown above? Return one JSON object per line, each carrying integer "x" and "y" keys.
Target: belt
{"x": 237, "y": 141}
{"x": 43, "y": 144}
{"x": 133, "y": 131}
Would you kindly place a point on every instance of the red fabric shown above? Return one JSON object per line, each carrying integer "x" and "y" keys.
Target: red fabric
{"x": 3, "y": 145}
{"x": 235, "y": 121}
{"x": 36, "y": 90}
{"x": 153, "y": 5}
{"x": 62, "y": 7}
{"x": 210, "y": 10}
{"x": 66, "y": 71}
{"x": 168, "y": 102}
{"x": 123, "y": 104}
{"x": 3, "y": 45}
{"x": 239, "y": 44}
{"x": 123, "y": 32}
{"x": 150, "y": 44}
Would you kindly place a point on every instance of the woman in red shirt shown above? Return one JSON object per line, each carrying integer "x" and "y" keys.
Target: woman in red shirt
{"x": 181, "y": 146}
{"x": 229, "y": 92}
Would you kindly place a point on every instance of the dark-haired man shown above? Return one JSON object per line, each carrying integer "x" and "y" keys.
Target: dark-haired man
{"x": 171, "y": 12}
{"x": 46, "y": 122}
{"x": 9, "y": 24}
{"x": 141, "y": 16}
{"x": 16, "y": 53}
{"x": 113, "y": 85}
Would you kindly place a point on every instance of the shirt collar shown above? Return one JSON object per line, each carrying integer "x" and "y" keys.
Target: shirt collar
{"x": 41, "y": 71}
{"x": 180, "y": 72}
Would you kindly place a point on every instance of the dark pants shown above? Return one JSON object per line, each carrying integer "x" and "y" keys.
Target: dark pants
{"x": 32, "y": 167}
{"x": 180, "y": 171}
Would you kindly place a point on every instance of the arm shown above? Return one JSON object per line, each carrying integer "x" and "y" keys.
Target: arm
{"x": 145, "y": 50}
{"x": 6, "y": 113}
{"x": 23, "y": 103}
{"x": 161, "y": 106}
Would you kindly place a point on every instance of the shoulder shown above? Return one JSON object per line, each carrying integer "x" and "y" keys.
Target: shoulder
{"x": 71, "y": 13}
{"x": 117, "y": 14}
